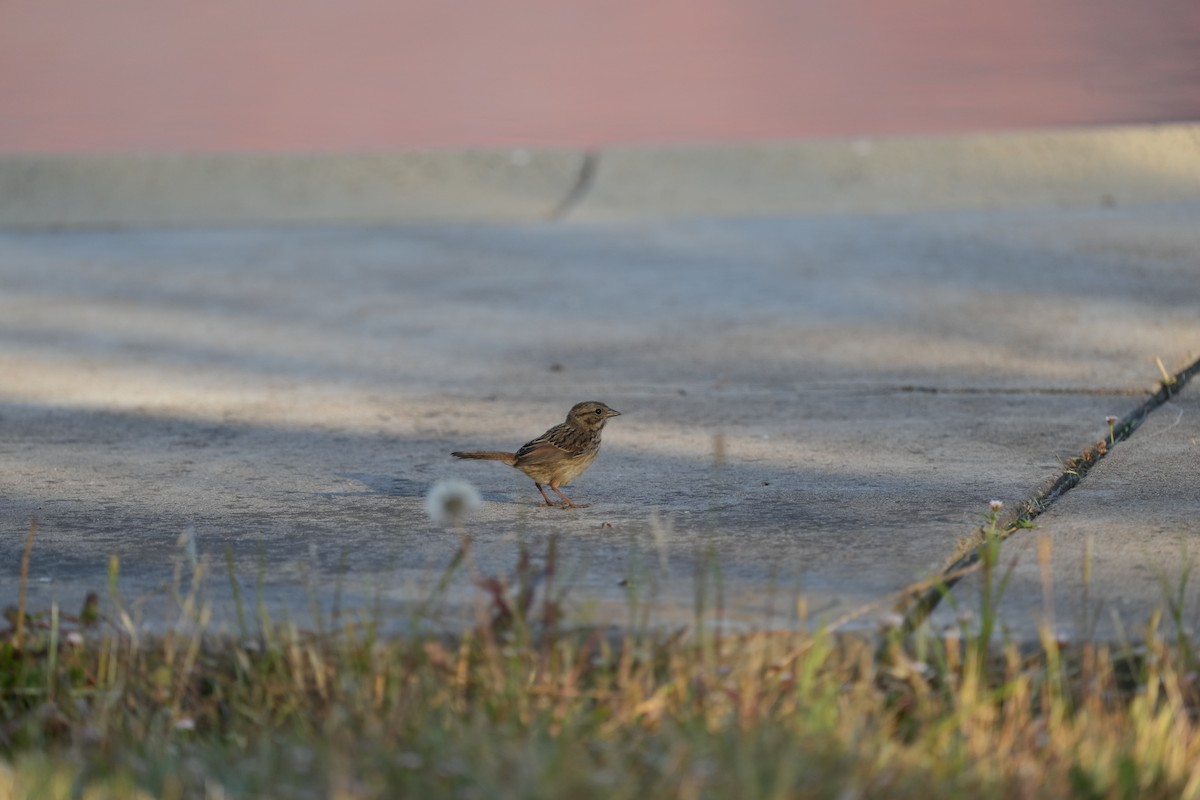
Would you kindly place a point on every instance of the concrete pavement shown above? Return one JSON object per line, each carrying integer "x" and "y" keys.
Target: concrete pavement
{"x": 815, "y": 405}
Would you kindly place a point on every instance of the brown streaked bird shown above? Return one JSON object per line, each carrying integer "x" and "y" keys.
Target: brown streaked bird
{"x": 561, "y": 454}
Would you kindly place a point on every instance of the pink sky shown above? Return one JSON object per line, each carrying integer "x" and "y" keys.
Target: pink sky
{"x": 316, "y": 75}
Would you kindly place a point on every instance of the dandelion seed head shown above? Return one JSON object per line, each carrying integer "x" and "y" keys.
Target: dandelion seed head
{"x": 449, "y": 502}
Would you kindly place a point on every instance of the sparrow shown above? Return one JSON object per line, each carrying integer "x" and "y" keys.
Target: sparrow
{"x": 561, "y": 454}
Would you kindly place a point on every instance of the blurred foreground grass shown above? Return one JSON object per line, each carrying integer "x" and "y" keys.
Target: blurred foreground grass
{"x": 524, "y": 704}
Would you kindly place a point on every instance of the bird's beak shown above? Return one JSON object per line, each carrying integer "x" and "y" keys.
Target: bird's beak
{"x": 612, "y": 412}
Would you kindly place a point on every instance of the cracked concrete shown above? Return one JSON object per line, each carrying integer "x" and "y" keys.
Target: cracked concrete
{"x": 815, "y": 406}
{"x": 1115, "y": 550}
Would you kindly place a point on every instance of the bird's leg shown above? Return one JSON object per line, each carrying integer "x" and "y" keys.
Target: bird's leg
{"x": 544, "y": 497}
{"x": 566, "y": 500}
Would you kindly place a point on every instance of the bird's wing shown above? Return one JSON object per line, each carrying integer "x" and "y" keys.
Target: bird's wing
{"x": 540, "y": 451}
{"x": 558, "y": 443}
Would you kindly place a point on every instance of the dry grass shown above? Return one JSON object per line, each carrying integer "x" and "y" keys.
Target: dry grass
{"x": 523, "y": 705}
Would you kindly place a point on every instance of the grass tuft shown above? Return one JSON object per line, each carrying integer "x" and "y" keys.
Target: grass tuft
{"x": 523, "y": 705}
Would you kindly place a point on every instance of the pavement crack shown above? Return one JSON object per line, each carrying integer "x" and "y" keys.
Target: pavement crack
{"x": 920, "y": 601}
{"x": 579, "y": 190}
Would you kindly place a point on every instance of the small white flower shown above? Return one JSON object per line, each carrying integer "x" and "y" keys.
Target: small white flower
{"x": 997, "y": 505}
{"x": 1111, "y": 420}
{"x": 75, "y": 638}
{"x": 921, "y": 668}
{"x": 451, "y": 501}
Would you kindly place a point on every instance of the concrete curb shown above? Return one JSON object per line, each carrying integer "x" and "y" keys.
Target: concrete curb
{"x": 248, "y": 189}
{"x": 1062, "y": 169}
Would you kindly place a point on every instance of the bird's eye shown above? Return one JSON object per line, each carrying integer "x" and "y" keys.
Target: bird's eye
{"x": 599, "y": 411}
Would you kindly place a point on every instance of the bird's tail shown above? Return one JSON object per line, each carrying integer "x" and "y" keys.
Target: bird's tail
{"x": 489, "y": 455}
